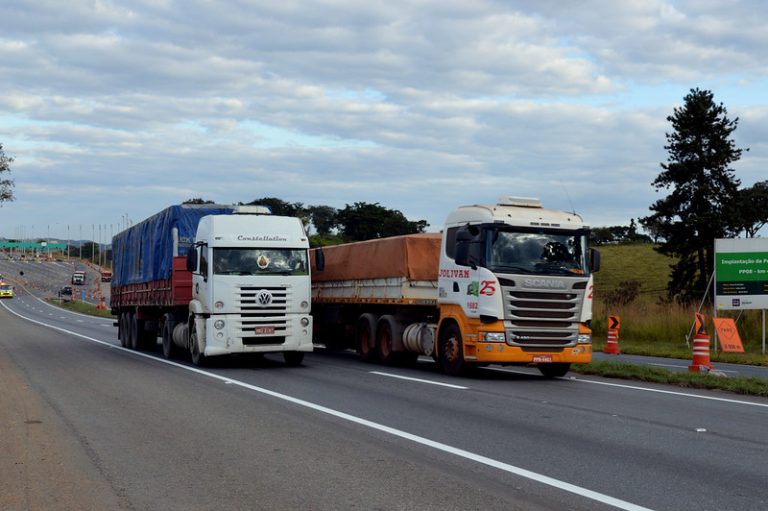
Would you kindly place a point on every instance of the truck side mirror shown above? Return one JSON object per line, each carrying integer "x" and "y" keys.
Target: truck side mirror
{"x": 468, "y": 246}
{"x": 594, "y": 260}
{"x": 192, "y": 259}
{"x": 319, "y": 259}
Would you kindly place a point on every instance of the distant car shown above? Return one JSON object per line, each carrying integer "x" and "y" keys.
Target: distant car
{"x": 66, "y": 291}
{"x": 6, "y": 290}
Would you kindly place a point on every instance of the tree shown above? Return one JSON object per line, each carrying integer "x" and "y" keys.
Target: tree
{"x": 198, "y": 201}
{"x": 753, "y": 208}
{"x": 363, "y": 221}
{"x": 6, "y": 185}
{"x": 619, "y": 234}
{"x": 323, "y": 218}
{"x": 282, "y": 208}
{"x": 702, "y": 202}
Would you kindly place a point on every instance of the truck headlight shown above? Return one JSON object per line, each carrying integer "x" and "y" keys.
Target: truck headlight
{"x": 492, "y": 337}
{"x": 304, "y": 321}
{"x": 304, "y": 304}
{"x": 218, "y": 324}
{"x": 219, "y": 305}
{"x": 584, "y": 338}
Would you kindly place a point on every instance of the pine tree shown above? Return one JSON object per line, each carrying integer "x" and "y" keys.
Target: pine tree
{"x": 702, "y": 202}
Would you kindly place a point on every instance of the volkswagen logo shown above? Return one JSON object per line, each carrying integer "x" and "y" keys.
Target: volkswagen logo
{"x": 263, "y": 297}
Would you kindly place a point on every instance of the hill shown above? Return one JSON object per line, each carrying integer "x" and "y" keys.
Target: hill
{"x": 620, "y": 263}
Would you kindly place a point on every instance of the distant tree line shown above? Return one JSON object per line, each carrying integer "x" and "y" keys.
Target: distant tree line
{"x": 329, "y": 226}
{"x": 619, "y": 234}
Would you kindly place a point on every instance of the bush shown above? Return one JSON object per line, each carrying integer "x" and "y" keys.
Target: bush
{"x": 626, "y": 293}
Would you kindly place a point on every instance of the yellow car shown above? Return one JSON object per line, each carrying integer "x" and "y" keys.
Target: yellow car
{"x": 6, "y": 291}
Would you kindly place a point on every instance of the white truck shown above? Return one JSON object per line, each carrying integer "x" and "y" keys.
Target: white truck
{"x": 213, "y": 280}
{"x": 507, "y": 283}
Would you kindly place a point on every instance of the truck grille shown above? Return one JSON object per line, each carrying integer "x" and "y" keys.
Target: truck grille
{"x": 263, "y": 318}
{"x": 542, "y": 318}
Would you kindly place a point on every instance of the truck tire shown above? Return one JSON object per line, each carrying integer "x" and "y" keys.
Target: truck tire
{"x": 365, "y": 333}
{"x": 451, "y": 351}
{"x": 170, "y": 350}
{"x": 387, "y": 330}
{"x": 133, "y": 331}
{"x": 123, "y": 329}
{"x": 198, "y": 358}
{"x": 554, "y": 370}
{"x": 293, "y": 358}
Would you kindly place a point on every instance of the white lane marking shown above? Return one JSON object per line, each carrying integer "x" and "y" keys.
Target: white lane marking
{"x": 461, "y": 453}
{"x": 683, "y": 394}
{"x": 685, "y": 367}
{"x": 646, "y": 389}
{"x": 399, "y": 377}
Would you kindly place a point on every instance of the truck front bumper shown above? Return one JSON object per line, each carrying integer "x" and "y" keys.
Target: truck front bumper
{"x": 501, "y": 353}
{"x": 228, "y": 333}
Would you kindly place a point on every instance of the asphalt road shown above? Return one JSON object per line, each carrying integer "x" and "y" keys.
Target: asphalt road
{"x": 46, "y": 278}
{"x": 138, "y": 432}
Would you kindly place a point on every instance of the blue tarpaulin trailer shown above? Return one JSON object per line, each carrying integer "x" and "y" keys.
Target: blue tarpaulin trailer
{"x": 144, "y": 252}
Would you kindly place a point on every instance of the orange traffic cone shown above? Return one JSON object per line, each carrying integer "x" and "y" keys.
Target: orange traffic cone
{"x": 700, "y": 362}
{"x": 612, "y": 344}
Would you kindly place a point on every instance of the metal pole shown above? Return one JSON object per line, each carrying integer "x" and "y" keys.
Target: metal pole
{"x": 701, "y": 306}
{"x": 763, "y": 331}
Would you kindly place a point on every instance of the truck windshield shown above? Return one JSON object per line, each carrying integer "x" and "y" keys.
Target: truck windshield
{"x": 537, "y": 252}
{"x": 260, "y": 261}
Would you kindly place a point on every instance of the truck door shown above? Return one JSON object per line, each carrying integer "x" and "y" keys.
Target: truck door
{"x": 201, "y": 277}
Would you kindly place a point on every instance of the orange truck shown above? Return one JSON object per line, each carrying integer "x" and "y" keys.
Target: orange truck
{"x": 507, "y": 283}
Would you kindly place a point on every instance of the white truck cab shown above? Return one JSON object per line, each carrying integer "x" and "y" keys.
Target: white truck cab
{"x": 250, "y": 286}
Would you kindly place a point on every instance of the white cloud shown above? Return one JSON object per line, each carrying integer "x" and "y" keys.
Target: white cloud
{"x": 419, "y": 106}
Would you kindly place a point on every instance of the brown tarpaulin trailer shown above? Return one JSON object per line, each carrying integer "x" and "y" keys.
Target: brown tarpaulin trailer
{"x": 414, "y": 256}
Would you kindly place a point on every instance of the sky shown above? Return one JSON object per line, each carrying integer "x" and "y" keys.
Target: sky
{"x": 114, "y": 110}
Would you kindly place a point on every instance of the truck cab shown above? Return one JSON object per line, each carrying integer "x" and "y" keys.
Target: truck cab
{"x": 78, "y": 278}
{"x": 250, "y": 286}
{"x": 516, "y": 281}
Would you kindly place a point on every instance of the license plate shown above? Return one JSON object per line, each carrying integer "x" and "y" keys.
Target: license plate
{"x": 542, "y": 359}
{"x": 264, "y": 330}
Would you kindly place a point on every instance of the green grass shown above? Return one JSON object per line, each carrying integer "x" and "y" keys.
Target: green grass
{"x": 650, "y": 326}
{"x": 636, "y": 261}
{"x": 81, "y": 307}
{"x": 741, "y": 385}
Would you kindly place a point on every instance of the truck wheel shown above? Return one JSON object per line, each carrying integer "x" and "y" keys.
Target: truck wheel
{"x": 451, "y": 354}
{"x": 293, "y": 358}
{"x": 169, "y": 349}
{"x": 194, "y": 348}
{"x": 133, "y": 331}
{"x": 122, "y": 329}
{"x": 387, "y": 328}
{"x": 364, "y": 337}
{"x": 554, "y": 370}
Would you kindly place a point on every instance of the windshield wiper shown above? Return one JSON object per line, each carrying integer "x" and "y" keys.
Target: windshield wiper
{"x": 515, "y": 269}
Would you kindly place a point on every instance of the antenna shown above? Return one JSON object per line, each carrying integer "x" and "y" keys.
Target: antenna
{"x": 567, "y": 196}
